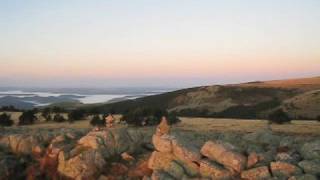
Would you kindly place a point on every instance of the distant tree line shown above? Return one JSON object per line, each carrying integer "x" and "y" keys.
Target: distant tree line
{"x": 146, "y": 115}
{"x": 279, "y": 117}
{"x": 29, "y": 117}
{"x": 9, "y": 108}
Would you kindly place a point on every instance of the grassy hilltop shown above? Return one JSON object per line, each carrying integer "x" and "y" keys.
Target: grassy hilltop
{"x": 299, "y": 98}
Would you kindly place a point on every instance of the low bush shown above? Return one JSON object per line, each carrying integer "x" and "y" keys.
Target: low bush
{"x": 5, "y": 120}
{"x": 76, "y": 115}
{"x": 97, "y": 121}
{"x": 46, "y": 114}
{"x": 58, "y": 118}
{"x": 147, "y": 116}
{"x": 27, "y": 117}
{"x": 279, "y": 117}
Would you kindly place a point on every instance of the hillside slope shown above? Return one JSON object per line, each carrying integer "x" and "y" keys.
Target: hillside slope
{"x": 303, "y": 84}
{"x": 299, "y": 97}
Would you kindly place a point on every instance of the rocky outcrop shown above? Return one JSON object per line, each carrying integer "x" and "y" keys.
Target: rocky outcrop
{"x": 92, "y": 152}
{"x": 22, "y": 144}
{"x": 127, "y": 153}
{"x": 172, "y": 157}
{"x": 175, "y": 157}
{"x": 86, "y": 165}
{"x": 113, "y": 141}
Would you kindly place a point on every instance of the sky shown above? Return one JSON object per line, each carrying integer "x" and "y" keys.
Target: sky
{"x": 176, "y": 43}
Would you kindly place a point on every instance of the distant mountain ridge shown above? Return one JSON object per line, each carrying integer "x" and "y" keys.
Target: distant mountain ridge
{"x": 300, "y": 98}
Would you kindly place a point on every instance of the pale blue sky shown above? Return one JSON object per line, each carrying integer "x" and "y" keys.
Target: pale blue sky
{"x": 167, "y": 42}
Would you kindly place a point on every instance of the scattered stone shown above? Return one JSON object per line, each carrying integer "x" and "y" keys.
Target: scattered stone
{"x": 253, "y": 159}
{"x": 185, "y": 151}
{"x": 103, "y": 177}
{"x": 37, "y": 151}
{"x": 109, "y": 121}
{"x": 263, "y": 137}
{"x": 187, "y": 155}
{"x": 113, "y": 142}
{"x": 87, "y": 165}
{"x": 163, "y": 127}
{"x": 287, "y": 141}
{"x": 146, "y": 178}
{"x": 283, "y": 169}
{"x": 126, "y": 156}
{"x": 303, "y": 177}
{"x": 22, "y": 144}
{"x": 213, "y": 170}
{"x": 160, "y": 161}
{"x": 58, "y": 139}
{"x": 161, "y": 175}
{"x": 311, "y": 150}
{"x": 265, "y": 158}
{"x": 223, "y": 154}
{"x": 310, "y": 166}
{"x": 292, "y": 157}
{"x": 256, "y": 173}
{"x": 118, "y": 169}
{"x": 162, "y": 143}
{"x": 141, "y": 170}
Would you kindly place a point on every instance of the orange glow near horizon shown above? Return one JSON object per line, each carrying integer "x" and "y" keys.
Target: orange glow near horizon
{"x": 198, "y": 41}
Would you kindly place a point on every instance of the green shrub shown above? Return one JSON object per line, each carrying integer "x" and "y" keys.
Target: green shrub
{"x": 147, "y": 116}
{"x": 46, "y": 113}
{"x": 5, "y": 120}
{"x": 58, "y": 118}
{"x": 97, "y": 121}
{"x": 279, "y": 117}
{"x": 27, "y": 117}
{"x": 75, "y": 115}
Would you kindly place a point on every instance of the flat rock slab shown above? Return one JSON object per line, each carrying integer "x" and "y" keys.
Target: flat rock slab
{"x": 256, "y": 173}
{"x": 223, "y": 154}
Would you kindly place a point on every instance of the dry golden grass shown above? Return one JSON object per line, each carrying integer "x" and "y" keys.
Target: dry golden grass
{"x": 53, "y": 125}
{"x": 238, "y": 125}
{"x": 200, "y": 124}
